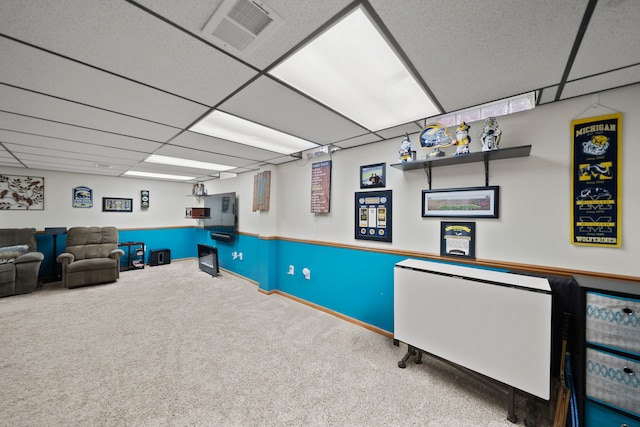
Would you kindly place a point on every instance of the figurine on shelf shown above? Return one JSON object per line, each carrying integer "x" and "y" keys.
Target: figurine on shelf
{"x": 490, "y": 134}
{"x": 435, "y": 136}
{"x": 462, "y": 139}
{"x": 405, "y": 149}
{"x": 198, "y": 189}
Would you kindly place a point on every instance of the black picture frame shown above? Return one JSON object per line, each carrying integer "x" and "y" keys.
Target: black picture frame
{"x": 458, "y": 239}
{"x": 373, "y": 176}
{"x": 374, "y": 215}
{"x": 144, "y": 199}
{"x": 471, "y": 202}
{"x": 117, "y": 204}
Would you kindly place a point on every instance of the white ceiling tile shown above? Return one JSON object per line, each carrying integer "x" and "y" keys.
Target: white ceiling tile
{"x": 33, "y": 126}
{"x": 52, "y": 153}
{"x": 80, "y": 168}
{"x": 284, "y": 159}
{"x": 210, "y": 144}
{"x": 64, "y": 146}
{"x": 89, "y": 162}
{"x": 473, "y": 52}
{"x": 601, "y": 82}
{"x": 359, "y": 140}
{"x": 169, "y": 169}
{"x": 44, "y": 107}
{"x": 611, "y": 40}
{"x": 130, "y": 42}
{"x": 295, "y": 114}
{"x": 301, "y": 18}
{"x": 203, "y": 156}
{"x": 9, "y": 163}
{"x": 548, "y": 94}
{"x": 399, "y": 130}
{"x": 49, "y": 74}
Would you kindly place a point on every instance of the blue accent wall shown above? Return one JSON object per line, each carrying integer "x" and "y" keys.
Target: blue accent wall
{"x": 179, "y": 240}
{"x": 354, "y": 282}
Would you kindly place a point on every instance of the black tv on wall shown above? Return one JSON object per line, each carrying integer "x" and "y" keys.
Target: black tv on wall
{"x": 223, "y": 219}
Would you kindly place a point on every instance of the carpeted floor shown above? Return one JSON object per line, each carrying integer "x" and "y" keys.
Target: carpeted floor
{"x": 173, "y": 346}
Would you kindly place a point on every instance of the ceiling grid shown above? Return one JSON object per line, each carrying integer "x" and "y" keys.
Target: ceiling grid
{"x": 86, "y": 82}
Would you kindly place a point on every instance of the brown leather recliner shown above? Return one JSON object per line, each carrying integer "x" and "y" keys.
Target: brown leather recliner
{"x": 91, "y": 256}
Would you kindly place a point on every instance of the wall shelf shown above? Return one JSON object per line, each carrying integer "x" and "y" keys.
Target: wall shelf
{"x": 134, "y": 256}
{"x": 482, "y": 156}
{"x": 197, "y": 213}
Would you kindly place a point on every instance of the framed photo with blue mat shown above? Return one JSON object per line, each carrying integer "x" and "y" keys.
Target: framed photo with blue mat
{"x": 373, "y": 215}
{"x": 458, "y": 239}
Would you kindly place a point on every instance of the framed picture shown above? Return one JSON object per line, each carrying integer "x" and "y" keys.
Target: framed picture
{"x": 373, "y": 176}
{"x": 458, "y": 239}
{"x": 117, "y": 204}
{"x": 144, "y": 199}
{"x": 321, "y": 187}
{"x": 373, "y": 215}
{"x": 19, "y": 192}
{"x": 477, "y": 202}
{"x": 82, "y": 197}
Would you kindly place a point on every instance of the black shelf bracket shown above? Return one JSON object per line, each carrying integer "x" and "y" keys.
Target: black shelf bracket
{"x": 427, "y": 170}
{"x": 486, "y": 171}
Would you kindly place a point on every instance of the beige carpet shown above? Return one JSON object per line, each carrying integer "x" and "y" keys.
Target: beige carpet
{"x": 172, "y": 346}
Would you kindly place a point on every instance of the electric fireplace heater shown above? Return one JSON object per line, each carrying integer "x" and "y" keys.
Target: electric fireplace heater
{"x": 208, "y": 259}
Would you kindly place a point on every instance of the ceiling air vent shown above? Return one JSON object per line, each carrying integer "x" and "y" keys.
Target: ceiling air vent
{"x": 238, "y": 26}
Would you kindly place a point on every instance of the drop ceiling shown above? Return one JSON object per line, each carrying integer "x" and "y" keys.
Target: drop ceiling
{"x": 95, "y": 87}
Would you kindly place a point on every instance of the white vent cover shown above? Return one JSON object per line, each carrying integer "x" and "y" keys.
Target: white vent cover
{"x": 238, "y": 26}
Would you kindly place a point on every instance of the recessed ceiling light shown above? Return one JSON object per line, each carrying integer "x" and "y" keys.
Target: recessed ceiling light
{"x": 159, "y": 175}
{"x": 352, "y": 69}
{"x": 236, "y": 129}
{"x": 175, "y": 161}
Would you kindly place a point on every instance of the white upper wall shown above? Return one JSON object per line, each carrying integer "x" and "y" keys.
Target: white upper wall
{"x": 534, "y": 224}
{"x": 533, "y": 228}
{"x": 166, "y": 208}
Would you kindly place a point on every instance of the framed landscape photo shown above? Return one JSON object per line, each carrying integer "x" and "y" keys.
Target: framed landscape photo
{"x": 373, "y": 176}
{"x": 117, "y": 204}
{"x": 473, "y": 202}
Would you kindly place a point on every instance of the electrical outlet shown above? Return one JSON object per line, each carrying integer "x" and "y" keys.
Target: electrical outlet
{"x": 307, "y": 273}
{"x": 292, "y": 270}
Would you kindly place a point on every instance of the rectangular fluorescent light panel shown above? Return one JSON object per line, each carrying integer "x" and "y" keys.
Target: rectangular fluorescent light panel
{"x": 176, "y": 161}
{"x": 159, "y": 175}
{"x": 233, "y": 128}
{"x": 352, "y": 69}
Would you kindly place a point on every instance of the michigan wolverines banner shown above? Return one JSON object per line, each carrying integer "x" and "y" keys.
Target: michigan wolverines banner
{"x": 595, "y": 193}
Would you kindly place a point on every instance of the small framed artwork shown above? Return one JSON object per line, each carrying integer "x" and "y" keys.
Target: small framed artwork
{"x": 144, "y": 199}
{"x": 458, "y": 239}
{"x": 82, "y": 197}
{"x": 373, "y": 176}
{"x": 117, "y": 204}
{"x": 473, "y": 202}
{"x": 18, "y": 192}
